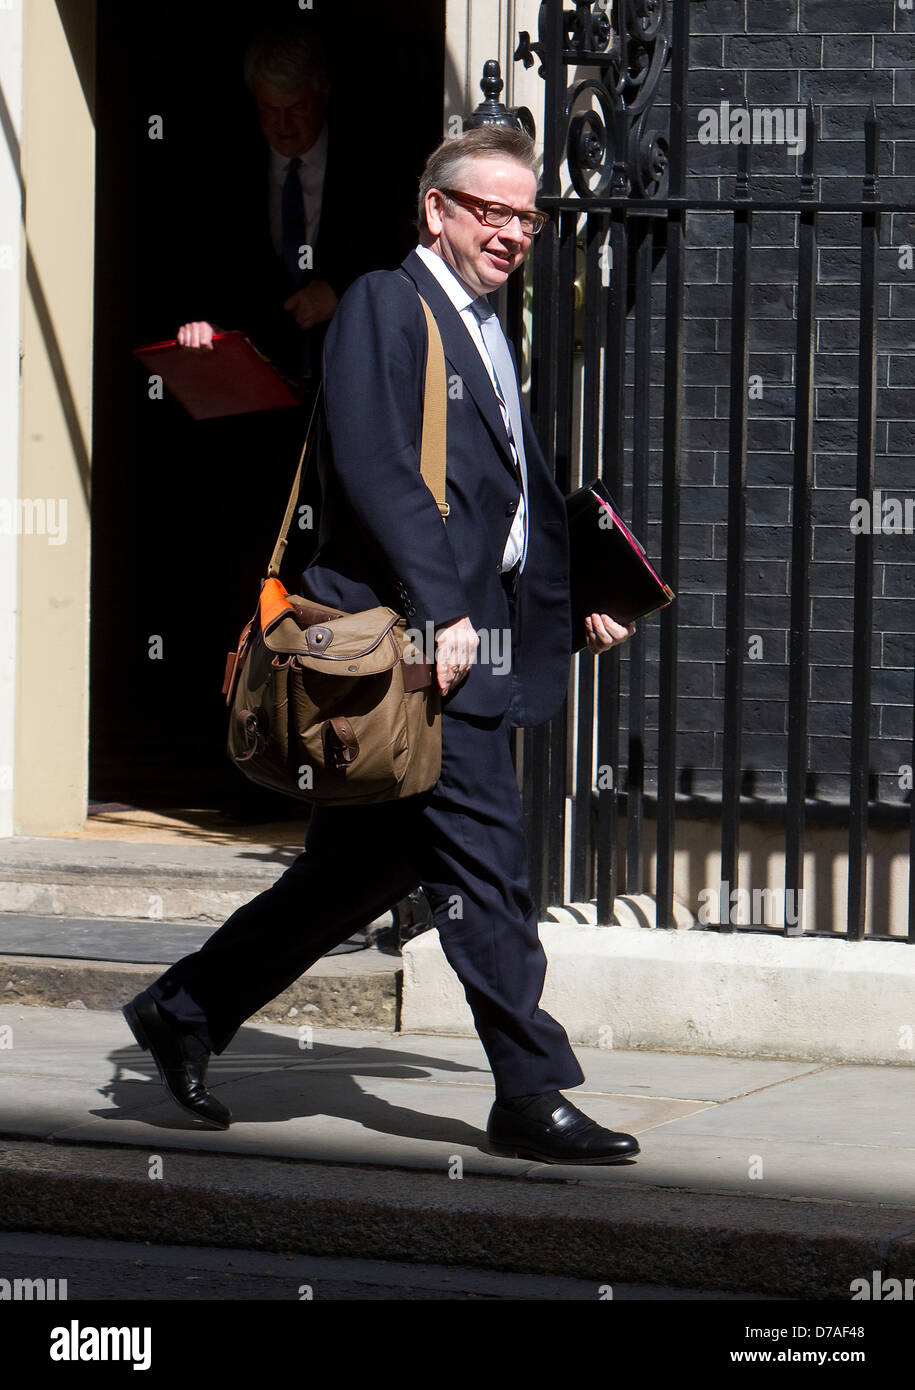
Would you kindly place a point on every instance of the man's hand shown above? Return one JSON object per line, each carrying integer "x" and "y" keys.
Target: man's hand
{"x": 196, "y": 335}
{"x": 315, "y": 303}
{"x": 455, "y": 651}
{"x": 604, "y": 633}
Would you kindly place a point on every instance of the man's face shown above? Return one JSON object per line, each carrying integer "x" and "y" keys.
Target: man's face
{"x": 291, "y": 121}
{"x": 482, "y": 257}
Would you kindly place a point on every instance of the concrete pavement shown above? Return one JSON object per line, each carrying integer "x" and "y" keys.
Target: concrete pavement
{"x": 780, "y": 1176}
{"x": 771, "y": 1176}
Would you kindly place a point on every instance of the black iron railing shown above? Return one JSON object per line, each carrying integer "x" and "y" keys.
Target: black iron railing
{"x": 620, "y": 229}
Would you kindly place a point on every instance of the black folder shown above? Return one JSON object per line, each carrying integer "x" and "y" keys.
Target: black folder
{"x": 609, "y": 570}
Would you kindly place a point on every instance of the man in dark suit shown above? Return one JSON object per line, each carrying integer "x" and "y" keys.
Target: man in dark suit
{"x": 285, "y": 246}
{"x": 497, "y": 567}
{"x": 279, "y": 248}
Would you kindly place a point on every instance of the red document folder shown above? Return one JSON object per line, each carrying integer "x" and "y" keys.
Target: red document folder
{"x": 233, "y": 379}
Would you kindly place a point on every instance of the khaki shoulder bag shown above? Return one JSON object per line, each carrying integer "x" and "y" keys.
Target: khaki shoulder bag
{"x": 339, "y": 708}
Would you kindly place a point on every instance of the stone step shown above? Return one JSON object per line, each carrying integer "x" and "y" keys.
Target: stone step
{"x": 84, "y": 878}
{"x": 359, "y": 989}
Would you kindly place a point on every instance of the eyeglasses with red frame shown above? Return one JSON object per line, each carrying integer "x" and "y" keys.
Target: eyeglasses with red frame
{"x": 498, "y": 214}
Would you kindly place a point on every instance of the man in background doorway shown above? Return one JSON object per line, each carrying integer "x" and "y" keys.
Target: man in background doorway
{"x": 277, "y": 247}
{"x": 278, "y": 267}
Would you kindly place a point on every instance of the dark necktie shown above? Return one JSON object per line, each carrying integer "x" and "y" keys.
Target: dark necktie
{"x": 293, "y": 223}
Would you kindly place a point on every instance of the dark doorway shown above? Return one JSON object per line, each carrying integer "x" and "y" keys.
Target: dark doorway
{"x": 175, "y": 562}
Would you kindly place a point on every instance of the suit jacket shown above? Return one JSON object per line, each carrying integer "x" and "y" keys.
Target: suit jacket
{"x": 381, "y": 538}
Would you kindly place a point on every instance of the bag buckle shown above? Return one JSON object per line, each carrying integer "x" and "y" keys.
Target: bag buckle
{"x": 341, "y": 747}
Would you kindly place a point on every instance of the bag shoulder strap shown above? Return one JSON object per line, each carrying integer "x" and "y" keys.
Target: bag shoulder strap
{"x": 282, "y": 540}
{"x": 433, "y": 448}
{"x": 433, "y": 453}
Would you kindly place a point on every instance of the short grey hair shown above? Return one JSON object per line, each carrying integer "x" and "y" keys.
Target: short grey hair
{"x": 292, "y": 60}
{"x": 444, "y": 163}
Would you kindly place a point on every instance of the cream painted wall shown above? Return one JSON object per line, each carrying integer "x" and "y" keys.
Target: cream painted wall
{"x": 476, "y": 31}
{"x": 52, "y": 675}
{"x": 10, "y": 271}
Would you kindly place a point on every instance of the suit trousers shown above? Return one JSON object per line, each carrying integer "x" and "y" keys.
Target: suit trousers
{"x": 464, "y": 842}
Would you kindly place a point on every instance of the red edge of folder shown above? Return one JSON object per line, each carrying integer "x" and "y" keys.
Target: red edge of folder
{"x": 620, "y": 523}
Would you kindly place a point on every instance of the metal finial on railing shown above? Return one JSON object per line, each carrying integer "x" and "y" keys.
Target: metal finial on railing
{"x": 491, "y": 111}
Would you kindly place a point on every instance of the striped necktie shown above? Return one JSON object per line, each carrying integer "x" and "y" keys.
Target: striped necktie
{"x": 509, "y": 395}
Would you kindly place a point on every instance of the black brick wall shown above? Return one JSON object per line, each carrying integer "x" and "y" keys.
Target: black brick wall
{"x": 842, "y": 54}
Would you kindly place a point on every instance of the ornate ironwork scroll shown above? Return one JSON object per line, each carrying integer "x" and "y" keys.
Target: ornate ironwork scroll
{"x": 609, "y": 150}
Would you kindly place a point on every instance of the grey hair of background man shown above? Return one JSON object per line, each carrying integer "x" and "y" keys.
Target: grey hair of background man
{"x": 292, "y": 60}
{"x": 445, "y": 164}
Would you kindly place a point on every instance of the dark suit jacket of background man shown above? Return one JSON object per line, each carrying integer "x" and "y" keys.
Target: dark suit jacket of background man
{"x": 381, "y": 538}
{"x": 236, "y": 278}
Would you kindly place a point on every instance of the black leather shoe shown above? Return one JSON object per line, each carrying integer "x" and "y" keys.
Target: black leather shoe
{"x": 181, "y": 1058}
{"x": 567, "y": 1137}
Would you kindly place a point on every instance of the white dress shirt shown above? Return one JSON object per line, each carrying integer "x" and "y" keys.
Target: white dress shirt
{"x": 462, "y": 300}
{"x": 311, "y": 177}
